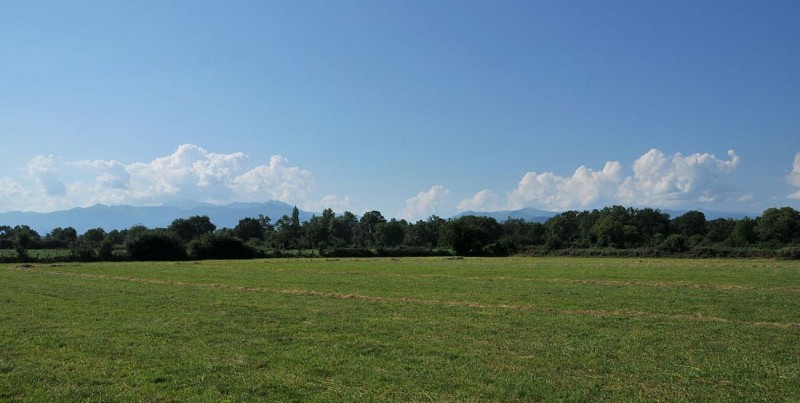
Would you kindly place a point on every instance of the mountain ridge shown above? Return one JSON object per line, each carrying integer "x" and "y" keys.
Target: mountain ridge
{"x": 534, "y": 215}
{"x": 124, "y": 216}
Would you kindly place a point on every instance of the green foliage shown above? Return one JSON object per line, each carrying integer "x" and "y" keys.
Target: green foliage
{"x": 83, "y": 251}
{"x": 676, "y": 243}
{"x": 367, "y": 227}
{"x": 220, "y": 247}
{"x": 192, "y": 227}
{"x": 23, "y": 239}
{"x": 391, "y": 233}
{"x": 690, "y": 223}
{"x": 471, "y": 235}
{"x": 612, "y": 231}
{"x": 780, "y": 226}
{"x": 65, "y": 236}
{"x": 156, "y": 245}
{"x": 250, "y": 228}
{"x": 105, "y": 251}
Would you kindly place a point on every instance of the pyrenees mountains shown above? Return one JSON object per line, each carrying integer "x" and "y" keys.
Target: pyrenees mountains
{"x": 122, "y": 217}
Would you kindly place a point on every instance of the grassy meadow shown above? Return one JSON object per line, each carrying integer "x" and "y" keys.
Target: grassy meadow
{"x": 411, "y": 329}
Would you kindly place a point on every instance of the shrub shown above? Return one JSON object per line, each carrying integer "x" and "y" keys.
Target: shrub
{"x": 220, "y": 247}
{"x": 789, "y": 252}
{"x": 156, "y": 245}
{"x": 83, "y": 252}
{"x": 675, "y": 243}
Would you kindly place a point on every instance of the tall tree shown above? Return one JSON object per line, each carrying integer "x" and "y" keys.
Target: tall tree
{"x": 779, "y": 225}
{"x": 391, "y": 233}
{"x": 342, "y": 229}
{"x": 368, "y": 225}
{"x": 690, "y": 223}
{"x": 23, "y": 239}
{"x": 192, "y": 227}
{"x": 562, "y": 230}
{"x": 744, "y": 232}
{"x": 653, "y": 226}
{"x": 250, "y": 228}
{"x": 471, "y": 235}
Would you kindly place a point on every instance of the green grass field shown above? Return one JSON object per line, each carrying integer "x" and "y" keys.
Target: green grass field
{"x": 402, "y": 329}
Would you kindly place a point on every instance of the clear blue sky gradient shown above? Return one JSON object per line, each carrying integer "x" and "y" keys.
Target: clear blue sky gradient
{"x": 380, "y": 100}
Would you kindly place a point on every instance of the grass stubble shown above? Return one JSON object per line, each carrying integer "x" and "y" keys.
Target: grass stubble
{"x": 402, "y": 329}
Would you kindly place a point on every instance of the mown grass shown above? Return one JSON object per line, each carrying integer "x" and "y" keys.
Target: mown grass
{"x": 402, "y": 329}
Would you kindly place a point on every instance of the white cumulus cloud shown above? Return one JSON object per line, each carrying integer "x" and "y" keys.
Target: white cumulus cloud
{"x": 42, "y": 169}
{"x": 278, "y": 181}
{"x": 658, "y": 180}
{"x": 485, "y": 200}
{"x": 12, "y": 193}
{"x": 190, "y": 173}
{"x": 661, "y": 179}
{"x": 794, "y": 177}
{"x": 425, "y": 203}
{"x": 586, "y": 187}
{"x": 112, "y": 174}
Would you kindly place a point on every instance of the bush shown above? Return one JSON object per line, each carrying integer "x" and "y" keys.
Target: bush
{"x": 156, "y": 245}
{"x": 789, "y": 252}
{"x": 349, "y": 252}
{"x": 675, "y": 243}
{"x": 220, "y": 247}
{"x": 83, "y": 252}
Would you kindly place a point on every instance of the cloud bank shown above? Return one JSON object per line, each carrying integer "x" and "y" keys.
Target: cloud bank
{"x": 658, "y": 180}
{"x": 190, "y": 173}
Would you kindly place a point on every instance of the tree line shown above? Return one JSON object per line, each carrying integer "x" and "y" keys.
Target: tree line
{"x": 612, "y": 231}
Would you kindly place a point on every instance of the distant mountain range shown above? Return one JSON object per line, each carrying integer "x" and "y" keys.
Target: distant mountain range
{"x": 122, "y": 217}
{"x": 527, "y": 214}
{"x": 533, "y": 215}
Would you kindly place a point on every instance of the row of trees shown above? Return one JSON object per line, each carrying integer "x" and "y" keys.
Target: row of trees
{"x": 613, "y": 228}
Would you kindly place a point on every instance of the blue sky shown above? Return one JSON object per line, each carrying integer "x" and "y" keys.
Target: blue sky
{"x": 410, "y": 108}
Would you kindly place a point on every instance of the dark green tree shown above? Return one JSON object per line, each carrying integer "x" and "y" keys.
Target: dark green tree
{"x": 719, "y": 231}
{"x": 676, "y": 243}
{"x": 609, "y": 231}
{"x": 94, "y": 236}
{"x": 250, "y": 228}
{"x": 64, "y": 236}
{"x": 519, "y": 234}
{"x": 391, "y": 233}
{"x": 220, "y": 246}
{"x": 317, "y": 232}
{"x": 156, "y": 245}
{"x": 744, "y": 232}
{"x": 23, "y": 239}
{"x": 368, "y": 225}
{"x": 652, "y": 225}
{"x": 562, "y": 230}
{"x": 288, "y": 231}
{"x": 343, "y": 229}
{"x": 690, "y": 223}
{"x": 192, "y": 227}
{"x": 472, "y": 235}
{"x": 779, "y": 226}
